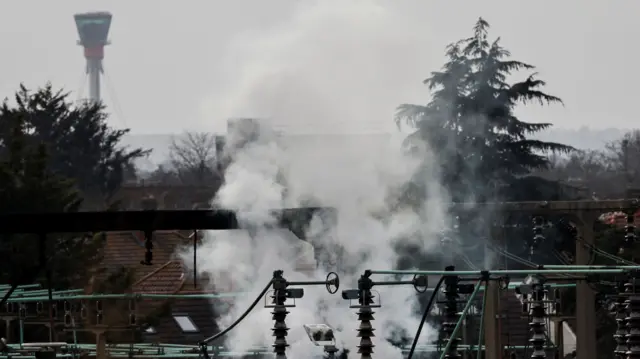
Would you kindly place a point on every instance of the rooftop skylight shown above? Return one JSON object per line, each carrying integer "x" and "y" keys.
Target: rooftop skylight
{"x": 185, "y": 323}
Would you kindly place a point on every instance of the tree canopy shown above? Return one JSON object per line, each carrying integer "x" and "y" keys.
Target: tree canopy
{"x": 194, "y": 158}
{"x": 482, "y": 149}
{"x": 79, "y": 142}
{"x": 601, "y": 174}
{"x": 27, "y": 185}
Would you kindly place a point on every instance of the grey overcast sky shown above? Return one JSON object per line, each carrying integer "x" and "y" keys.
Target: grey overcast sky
{"x": 189, "y": 65}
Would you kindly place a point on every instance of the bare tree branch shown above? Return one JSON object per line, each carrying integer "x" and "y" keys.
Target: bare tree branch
{"x": 193, "y": 157}
{"x": 607, "y": 173}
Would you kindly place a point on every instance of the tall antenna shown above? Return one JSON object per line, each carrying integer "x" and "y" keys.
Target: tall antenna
{"x": 93, "y": 29}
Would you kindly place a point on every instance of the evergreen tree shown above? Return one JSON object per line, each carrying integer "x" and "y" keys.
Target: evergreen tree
{"x": 27, "y": 186}
{"x": 482, "y": 149}
{"x": 79, "y": 142}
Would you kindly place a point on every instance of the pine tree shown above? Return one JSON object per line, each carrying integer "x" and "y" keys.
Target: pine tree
{"x": 483, "y": 150}
{"x": 80, "y": 144}
{"x": 27, "y": 186}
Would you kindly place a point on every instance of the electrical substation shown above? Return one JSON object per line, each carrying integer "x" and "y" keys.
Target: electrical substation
{"x": 489, "y": 313}
{"x": 455, "y": 299}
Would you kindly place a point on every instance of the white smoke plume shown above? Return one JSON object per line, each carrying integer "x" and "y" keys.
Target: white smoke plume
{"x": 289, "y": 77}
{"x": 356, "y": 182}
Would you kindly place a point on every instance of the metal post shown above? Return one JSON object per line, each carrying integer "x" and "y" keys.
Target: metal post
{"x": 465, "y": 335}
{"x": 42, "y": 238}
{"x": 8, "y": 336}
{"x": 559, "y": 337}
{"x": 101, "y": 345}
{"x": 492, "y": 335}
{"x": 586, "y": 347}
{"x": 22, "y": 314}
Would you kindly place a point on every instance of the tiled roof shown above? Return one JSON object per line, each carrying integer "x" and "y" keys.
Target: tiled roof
{"x": 165, "y": 276}
{"x": 126, "y": 249}
{"x": 170, "y": 240}
{"x": 167, "y": 279}
{"x": 200, "y": 311}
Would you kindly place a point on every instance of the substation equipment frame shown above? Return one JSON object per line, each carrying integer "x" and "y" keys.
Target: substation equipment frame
{"x": 537, "y": 301}
{"x": 297, "y": 220}
{"x": 583, "y": 215}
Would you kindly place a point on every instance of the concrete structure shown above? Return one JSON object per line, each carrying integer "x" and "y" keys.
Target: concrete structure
{"x": 93, "y": 29}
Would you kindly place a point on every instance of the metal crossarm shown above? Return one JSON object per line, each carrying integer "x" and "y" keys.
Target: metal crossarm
{"x": 295, "y": 219}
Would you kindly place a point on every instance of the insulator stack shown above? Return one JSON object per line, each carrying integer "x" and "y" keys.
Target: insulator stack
{"x": 630, "y": 230}
{"x": 633, "y": 318}
{"x": 451, "y": 316}
{"x": 330, "y": 351}
{"x": 538, "y": 237}
{"x": 538, "y": 316}
{"x": 279, "y": 314}
{"x": 620, "y": 313}
{"x": 365, "y": 316}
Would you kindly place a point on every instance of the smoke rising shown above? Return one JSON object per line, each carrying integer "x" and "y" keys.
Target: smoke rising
{"x": 357, "y": 182}
{"x": 322, "y": 72}
{"x": 333, "y": 67}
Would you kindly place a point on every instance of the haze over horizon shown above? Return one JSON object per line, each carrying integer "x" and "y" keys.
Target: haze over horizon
{"x": 581, "y": 138}
{"x": 205, "y": 61}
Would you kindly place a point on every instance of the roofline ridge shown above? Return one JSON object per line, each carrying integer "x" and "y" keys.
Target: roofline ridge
{"x": 183, "y": 279}
{"x": 155, "y": 271}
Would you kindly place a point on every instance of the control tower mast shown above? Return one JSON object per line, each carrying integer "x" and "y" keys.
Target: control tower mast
{"x": 93, "y": 29}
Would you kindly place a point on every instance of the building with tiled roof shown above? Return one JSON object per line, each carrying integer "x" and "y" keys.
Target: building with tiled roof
{"x": 177, "y": 320}
{"x": 188, "y": 319}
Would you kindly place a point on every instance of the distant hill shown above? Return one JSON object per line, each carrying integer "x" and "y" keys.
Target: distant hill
{"x": 582, "y": 138}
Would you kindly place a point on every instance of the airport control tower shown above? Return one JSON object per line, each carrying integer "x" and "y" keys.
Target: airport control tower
{"x": 93, "y": 29}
